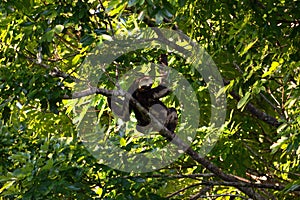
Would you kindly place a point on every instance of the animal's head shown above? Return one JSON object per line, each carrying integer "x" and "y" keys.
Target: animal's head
{"x": 145, "y": 83}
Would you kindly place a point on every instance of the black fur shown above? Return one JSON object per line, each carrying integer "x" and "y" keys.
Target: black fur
{"x": 149, "y": 99}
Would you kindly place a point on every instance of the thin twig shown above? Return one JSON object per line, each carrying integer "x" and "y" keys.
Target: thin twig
{"x": 177, "y": 176}
{"x": 182, "y": 189}
{"x": 223, "y": 195}
{"x": 201, "y": 192}
{"x": 262, "y": 95}
{"x": 108, "y": 18}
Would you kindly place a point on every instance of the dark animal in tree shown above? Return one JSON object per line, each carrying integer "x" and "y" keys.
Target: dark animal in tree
{"x": 157, "y": 115}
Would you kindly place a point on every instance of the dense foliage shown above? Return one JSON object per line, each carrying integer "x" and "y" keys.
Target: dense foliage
{"x": 255, "y": 45}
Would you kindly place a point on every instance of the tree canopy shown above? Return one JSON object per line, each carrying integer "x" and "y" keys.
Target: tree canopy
{"x": 47, "y": 96}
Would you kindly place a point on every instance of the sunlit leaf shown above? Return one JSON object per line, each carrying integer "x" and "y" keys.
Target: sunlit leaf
{"x": 58, "y": 28}
{"x": 244, "y": 100}
{"x": 122, "y": 142}
{"x": 272, "y": 69}
{"x": 249, "y": 46}
{"x": 6, "y": 186}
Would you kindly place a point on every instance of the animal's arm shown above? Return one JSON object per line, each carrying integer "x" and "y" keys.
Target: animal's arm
{"x": 160, "y": 91}
{"x": 120, "y": 107}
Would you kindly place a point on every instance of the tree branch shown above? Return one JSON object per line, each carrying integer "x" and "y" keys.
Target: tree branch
{"x": 244, "y": 184}
{"x": 93, "y": 90}
{"x": 176, "y": 176}
{"x": 255, "y": 111}
{"x": 183, "y": 189}
{"x": 221, "y": 195}
{"x": 172, "y": 137}
{"x": 201, "y": 192}
{"x": 247, "y": 189}
{"x": 55, "y": 72}
{"x": 107, "y": 17}
{"x": 258, "y": 113}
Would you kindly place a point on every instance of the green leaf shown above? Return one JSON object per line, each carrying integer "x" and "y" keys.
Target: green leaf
{"x": 58, "y": 28}
{"x": 6, "y": 186}
{"x": 141, "y": 2}
{"x": 76, "y": 59}
{"x": 292, "y": 186}
{"x": 243, "y": 101}
{"x": 87, "y": 40}
{"x": 246, "y": 49}
{"x": 122, "y": 142}
{"x": 132, "y": 2}
{"x": 73, "y": 187}
{"x": 27, "y": 24}
{"x": 272, "y": 69}
{"x": 48, "y": 36}
{"x": 49, "y": 165}
{"x": 98, "y": 190}
{"x": 182, "y": 2}
{"x": 281, "y": 143}
{"x": 159, "y": 17}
